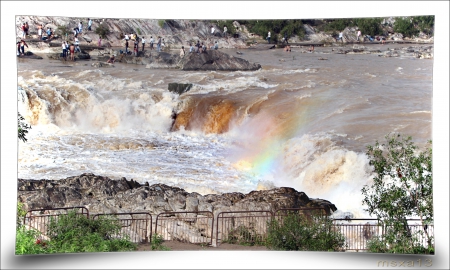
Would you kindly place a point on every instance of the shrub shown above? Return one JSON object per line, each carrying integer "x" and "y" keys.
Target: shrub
{"x": 157, "y": 241}
{"x": 138, "y": 31}
{"x": 276, "y": 27}
{"x": 62, "y": 30}
{"x": 74, "y": 233}
{"x": 26, "y": 242}
{"x": 402, "y": 187}
{"x": 299, "y": 232}
{"x": 245, "y": 236}
{"x": 21, "y": 212}
{"x": 161, "y": 23}
{"x": 336, "y": 25}
{"x": 102, "y": 30}
{"x": 231, "y": 30}
{"x": 77, "y": 233}
{"x": 405, "y": 26}
{"x": 369, "y": 26}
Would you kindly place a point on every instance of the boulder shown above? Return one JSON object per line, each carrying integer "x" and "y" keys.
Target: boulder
{"x": 179, "y": 88}
{"x": 101, "y": 64}
{"x": 215, "y": 60}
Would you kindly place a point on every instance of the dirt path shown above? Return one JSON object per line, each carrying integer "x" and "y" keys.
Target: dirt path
{"x": 179, "y": 246}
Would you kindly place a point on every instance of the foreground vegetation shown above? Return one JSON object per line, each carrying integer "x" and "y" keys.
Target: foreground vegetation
{"x": 402, "y": 188}
{"x": 73, "y": 233}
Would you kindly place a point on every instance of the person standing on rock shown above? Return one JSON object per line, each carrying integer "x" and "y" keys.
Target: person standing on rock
{"x": 136, "y": 45}
{"x": 191, "y": 48}
{"x": 64, "y": 50}
{"x": 182, "y": 52}
{"x": 358, "y": 35}
{"x": 39, "y": 28}
{"x": 268, "y": 37}
{"x": 72, "y": 52}
{"x": 341, "y": 37}
{"x": 158, "y": 44}
{"x": 126, "y": 46}
{"x": 80, "y": 27}
{"x": 77, "y": 45}
{"x": 22, "y": 46}
{"x": 151, "y": 42}
{"x": 225, "y": 30}
{"x": 198, "y": 45}
{"x": 143, "y": 43}
{"x": 23, "y": 30}
{"x": 212, "y": 30}
{"x": 99, "y": 41}
{"x": 89, "y": 24}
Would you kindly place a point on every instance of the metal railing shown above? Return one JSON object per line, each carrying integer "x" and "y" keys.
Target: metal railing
{"x": 39, "y": 219}
{"x": 192, "y": 227}
{"x": 136, "y": 226}
{"x": 242, "y": 227}
{"x": 235, "y": 227}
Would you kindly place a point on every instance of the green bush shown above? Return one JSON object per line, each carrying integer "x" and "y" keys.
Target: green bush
{"x": 156, "y": 243}
{"x": 276, "y": 27}
{"x": 102, "y": 30}
{"x": 405, "y": 26}
{"x": 138, "y": 31}
{"x": 369, "y": 26}
{"x": 336, "y": 25}
{"x": 304, "y": 233}
{"x": 26, "y": 242}
{"x": 75, "y": 233}
{"x": 231, "y": 30}
{"x": 161, "y": 23}
{"x": 21, "y": 212}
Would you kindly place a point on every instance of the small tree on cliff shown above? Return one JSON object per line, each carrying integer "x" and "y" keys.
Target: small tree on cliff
{"x": 402, "y": 188}
{"x": 22, "y": 127}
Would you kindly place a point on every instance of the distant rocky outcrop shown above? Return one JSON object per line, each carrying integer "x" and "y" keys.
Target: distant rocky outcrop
{"x": 215, "y": 60}
{"x": 104, "y": 195}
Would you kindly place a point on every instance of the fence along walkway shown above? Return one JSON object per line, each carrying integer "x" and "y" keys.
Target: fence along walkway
{"x": 137, "y": 226}
{"x": 39, "y": 219}
{"x": 249, "y": 227}
{"x": 190, "y": 227}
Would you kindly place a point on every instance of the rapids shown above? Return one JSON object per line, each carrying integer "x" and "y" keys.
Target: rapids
{"x": 299, "y": 121}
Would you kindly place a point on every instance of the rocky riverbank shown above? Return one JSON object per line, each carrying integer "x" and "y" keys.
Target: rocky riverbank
{"x": 101, "y": 194}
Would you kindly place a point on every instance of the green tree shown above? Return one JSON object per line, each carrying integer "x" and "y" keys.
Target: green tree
{"x": 22, "y": 127}
{"x": 402, "y": 188}
{"x": 425, "y": 24}
{"x": 405, "y": 26}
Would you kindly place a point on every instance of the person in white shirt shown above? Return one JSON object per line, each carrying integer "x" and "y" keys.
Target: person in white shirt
{"x": 212, "y": 30}
{"x": 80, "y": 27}
{"x": 151, "y": 42}
{"x": 89, "y": 24}
{"x": 191, "y": 48}
{"x": 225, "y": 30}
{"x": 126, "y": 37}
{"x": 64, "y": 49}
{"x": 143, "y": 43}
{"x": 268, "y": 37}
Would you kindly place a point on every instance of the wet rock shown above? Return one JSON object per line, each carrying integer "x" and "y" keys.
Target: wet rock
{"x": 103, "y": 195}
{"x": 101, "y": 64}
{"x": 215, "y": 60}
{"x": 179, "y": 88}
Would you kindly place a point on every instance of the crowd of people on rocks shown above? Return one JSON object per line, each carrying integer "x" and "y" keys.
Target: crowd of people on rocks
{"x": 70, "y": 48}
